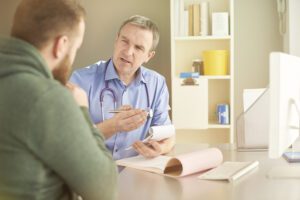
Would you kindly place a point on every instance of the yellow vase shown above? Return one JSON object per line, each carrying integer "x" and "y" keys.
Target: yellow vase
{"x": 215, "y": 62}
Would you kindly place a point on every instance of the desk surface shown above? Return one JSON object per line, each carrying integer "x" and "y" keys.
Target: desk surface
{"x": 137, "y": 185}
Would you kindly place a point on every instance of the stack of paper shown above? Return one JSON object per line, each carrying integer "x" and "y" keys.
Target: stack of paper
{"x": 178, "y": 166}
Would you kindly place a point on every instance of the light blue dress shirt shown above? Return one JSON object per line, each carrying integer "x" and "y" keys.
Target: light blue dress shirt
{"x": 93, "y": 78}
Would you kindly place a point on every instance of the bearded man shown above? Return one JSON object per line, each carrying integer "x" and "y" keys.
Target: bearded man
{"x": 49, "y": 148}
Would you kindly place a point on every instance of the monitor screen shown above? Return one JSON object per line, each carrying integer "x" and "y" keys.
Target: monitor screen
{"x": 284, "y": 100}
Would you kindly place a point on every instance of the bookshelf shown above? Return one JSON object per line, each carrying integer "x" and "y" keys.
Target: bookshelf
{"x": 195, "y": 38}
{"x": 194, "y": 106}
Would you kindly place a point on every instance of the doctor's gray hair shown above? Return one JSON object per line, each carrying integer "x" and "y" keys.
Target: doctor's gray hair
{"x": 144, "y": 23}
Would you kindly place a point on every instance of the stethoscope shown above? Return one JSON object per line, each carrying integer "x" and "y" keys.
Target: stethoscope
{"x": 114, "y": 96}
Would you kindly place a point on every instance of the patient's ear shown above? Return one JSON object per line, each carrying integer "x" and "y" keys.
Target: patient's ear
{"x": 60, "y": 46}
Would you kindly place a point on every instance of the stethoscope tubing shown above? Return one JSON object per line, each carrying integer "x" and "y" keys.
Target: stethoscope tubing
{"x": 107, "y": 89}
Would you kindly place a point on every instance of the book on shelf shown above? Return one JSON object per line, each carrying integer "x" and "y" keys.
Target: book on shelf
{"x": 230, "y": 171}
{"x": 185, "y": 22}
{"x": 179, "y": 17}
{"x": 191, "y": 19}
{"x": 177, "y": 166}
{"x": 204, "y": 18}
{"x": 194, "y": 19}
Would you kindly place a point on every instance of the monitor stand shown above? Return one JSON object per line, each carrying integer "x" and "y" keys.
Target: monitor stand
{"x": 290, "y": 171}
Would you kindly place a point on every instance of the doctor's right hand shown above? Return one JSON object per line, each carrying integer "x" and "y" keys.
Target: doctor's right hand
{"x": 127, "y": 120}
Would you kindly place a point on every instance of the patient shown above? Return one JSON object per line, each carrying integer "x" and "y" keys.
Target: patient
{"x": 49, "y": 148}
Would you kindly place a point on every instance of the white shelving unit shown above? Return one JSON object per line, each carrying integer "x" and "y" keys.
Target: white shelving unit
{"x": 194, "y": 38}
{"x": 194, "y": 107}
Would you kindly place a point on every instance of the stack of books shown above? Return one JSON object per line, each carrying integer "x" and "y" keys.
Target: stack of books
{"x": 191, "y": 19}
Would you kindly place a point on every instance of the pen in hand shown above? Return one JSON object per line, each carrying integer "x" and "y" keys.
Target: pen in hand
{"x": 119, "y": 111}
{"x": 115, "y": 111}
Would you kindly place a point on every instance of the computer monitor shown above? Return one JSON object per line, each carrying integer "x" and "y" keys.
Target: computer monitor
{"x": 284, "y": 100}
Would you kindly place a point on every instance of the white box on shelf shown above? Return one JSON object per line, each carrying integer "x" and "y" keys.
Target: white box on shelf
{"x": 220, "y": 26}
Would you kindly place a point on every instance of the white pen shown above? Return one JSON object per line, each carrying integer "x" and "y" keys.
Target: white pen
{"x": 115, "y": 111}
{"x": 119, "y": 111}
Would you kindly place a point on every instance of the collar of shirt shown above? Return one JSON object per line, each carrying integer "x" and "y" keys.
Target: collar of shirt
{"x": 111, "y": 74}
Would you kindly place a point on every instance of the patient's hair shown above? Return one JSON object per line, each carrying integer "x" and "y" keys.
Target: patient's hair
{"x": 39, "y": 21}
{"x": 144, "y": 23}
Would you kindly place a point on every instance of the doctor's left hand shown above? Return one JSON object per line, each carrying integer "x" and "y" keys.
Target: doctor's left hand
{"x": 153, "y": 148}
{"x": 150, "y": 149}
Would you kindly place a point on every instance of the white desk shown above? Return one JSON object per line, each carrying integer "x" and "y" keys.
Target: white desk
{"x": 141, "y": 185}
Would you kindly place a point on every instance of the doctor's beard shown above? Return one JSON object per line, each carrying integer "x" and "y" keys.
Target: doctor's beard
{"x": 62, "y": 71}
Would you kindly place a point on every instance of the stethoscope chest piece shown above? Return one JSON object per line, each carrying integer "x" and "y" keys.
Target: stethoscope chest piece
{"x": 150, "y": 113}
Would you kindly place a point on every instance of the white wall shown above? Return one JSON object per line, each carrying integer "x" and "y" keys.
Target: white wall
{"x": 103, "y": 20}
{"x": 256, "y": 35}
{"x": 292, "y": 35}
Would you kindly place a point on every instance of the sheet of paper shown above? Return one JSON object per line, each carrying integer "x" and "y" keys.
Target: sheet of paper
{"x": 161, "y": 132}
{"x": 158, "y": 133}
{"x": 191, "y": 162}
{"x": 198, "y": 161}
{"x": 142, "y": 163}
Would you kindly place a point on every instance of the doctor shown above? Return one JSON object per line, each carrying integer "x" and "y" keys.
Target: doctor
{"x": 122, "y": 83}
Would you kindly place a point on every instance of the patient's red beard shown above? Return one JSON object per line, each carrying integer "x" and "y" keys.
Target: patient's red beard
{"x": 62, "y": 71}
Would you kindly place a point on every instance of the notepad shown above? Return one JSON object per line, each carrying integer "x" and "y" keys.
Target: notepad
{"x": 158, "y": 133}
{"x": 177, "y": 166}
{"x": 229, "y": 171}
